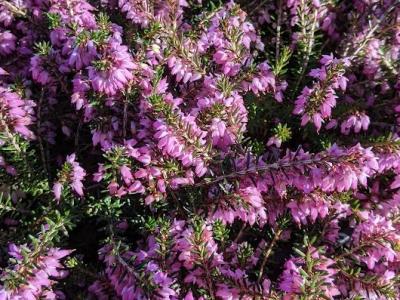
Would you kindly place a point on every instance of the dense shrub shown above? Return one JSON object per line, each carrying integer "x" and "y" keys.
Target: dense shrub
{"x": 165, "y": 149}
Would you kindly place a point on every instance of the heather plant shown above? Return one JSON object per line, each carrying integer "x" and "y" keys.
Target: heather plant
{"x": 199, "y": 149}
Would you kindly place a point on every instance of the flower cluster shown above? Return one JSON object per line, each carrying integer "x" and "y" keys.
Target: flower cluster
{"x": 315, "y": 104}
{"x": 35, "y": 268}
{"x": 38, "y": 281}
{"x": 16, "y": 114}
{"x": 194, "y": 172}
{"x": 73, "y": 174}
{"x": 311, "y": 274}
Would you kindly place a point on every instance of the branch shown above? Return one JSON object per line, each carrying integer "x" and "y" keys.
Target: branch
{"x": 268, "y": 253}
{"x": 274, "y": 166}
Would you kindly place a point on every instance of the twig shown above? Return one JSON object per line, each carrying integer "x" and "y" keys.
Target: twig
{"x": 77, "y": 134}
{"x": 12, "y": 8}
{"x": 353, "y": 250}
{"x": 268, "y": 253}
{"x": 39, "y": 125}
{"x": 240, "y": 234}
{"x": 278, "y": 31}
{"x": 125, "y": 119}
{"x": 309, "y": 48}
{"x": 259, "y": 6}
{"x": 274, "y": 166}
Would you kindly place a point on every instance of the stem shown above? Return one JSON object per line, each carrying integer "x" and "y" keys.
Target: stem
{"x": 268, "y": 253}
{"x": 309, "y": 48}
{"x": 278, "y": 31}
{"x": 274, "y": 166}
{"x": 12, "y": 8}
{"x": 39, "y": 125}
{"x": 198, "y": 247}
{"x": 357, "y": 248}
{"x": 209, "y": 283}
{"x": 370, "y": 283}
{"x": 125, "y": 119}
{"x": 240, "y": 234}
{"x": 20, "y": 152}
{"x": 259, "y": 6}
{"x": 77, "y": 134}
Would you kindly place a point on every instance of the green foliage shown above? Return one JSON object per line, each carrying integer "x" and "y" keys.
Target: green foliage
{"x": 106, "y": 206}
{"x": 220, "y": 231}
{"x": 281, "y": 65}
{"x": 283, "y": 132}
{"x": 245, "y": 251}
{"x": 43, "y": 48}
{"x": 101, "y": 65}
{"x": 54, "y": 20}
{"x": 6, "y": 204}
{"x": 22, "y": 155}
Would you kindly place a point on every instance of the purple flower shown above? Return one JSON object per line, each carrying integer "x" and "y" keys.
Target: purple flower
{"x": 72, "y": 174}
{"x": 82, "y": 55}
{"x": 17, "y": 114}
{"x": 357, "y": 121}
{"x": 315, "y": 104}
{"x": 7, "y": 43}
{"x": 291, "y": 280}
{"x": 134, "y": 12}
{"x": 309, "y": 208}
{"x": 77, "y": 174}
{"x": 75, "y": 12}
{"x": 40, "y": 273}
{"x": 182, "y": 70}
{"x": 39, "y": 72}
{"x": 57, "y": 189}
{"x": 113, "y": 72}
{"x": 370, "y": 230}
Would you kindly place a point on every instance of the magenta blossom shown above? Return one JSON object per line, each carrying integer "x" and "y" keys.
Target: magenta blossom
{"x": 113, "y": 72}
{"x": 72, "y": 174}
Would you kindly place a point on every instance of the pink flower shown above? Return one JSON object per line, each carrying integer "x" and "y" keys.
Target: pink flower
{"x": 183, "y": 71}
{"x": 44, "y": 269}
{"x": 39, "y": 72}
{"x": 17, "y": 113}
{"x": 114, "y": 72}
{"x": 77, "y": 175}
{"x": 73, "y": 174}
{"x": 358, "y": 121}
{"x": 82, "y": 55}
{"x": 309, "y": 208}
{"x": 252, "y": 196}
{"x": 57, "y": 188}
{"x": 7, "y": 43}
{"x": 315, "y": 104}
{"x": 291, "y": 280}
{"x": 126, "y": 174}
